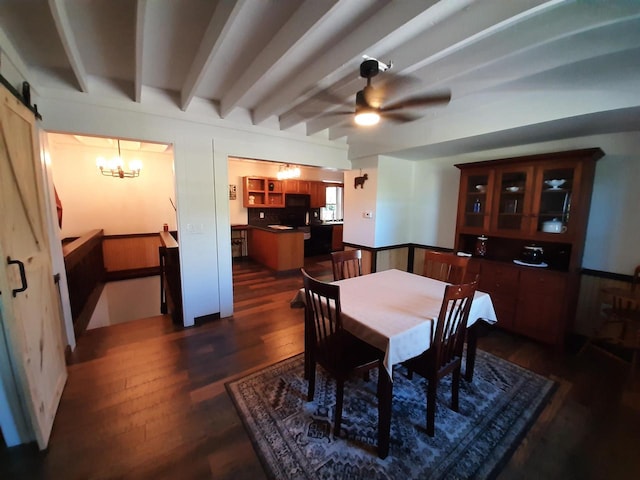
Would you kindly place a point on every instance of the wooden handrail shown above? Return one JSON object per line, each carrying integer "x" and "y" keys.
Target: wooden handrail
{"x": 74, "y": 251}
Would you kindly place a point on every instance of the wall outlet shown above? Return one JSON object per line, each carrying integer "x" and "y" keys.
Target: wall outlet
{"x": 261, "y": 214}
{"x": 367, "y": 214}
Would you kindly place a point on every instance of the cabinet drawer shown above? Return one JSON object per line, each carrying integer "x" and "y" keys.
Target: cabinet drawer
{"x": 502, "y": 279}
{"x": 539, "y": 282}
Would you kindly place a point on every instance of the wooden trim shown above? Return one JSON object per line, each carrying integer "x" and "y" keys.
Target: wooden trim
{"x": 594, "y": 153}
{"x": 608, "y": 275}
{"x": 132, "y": 273}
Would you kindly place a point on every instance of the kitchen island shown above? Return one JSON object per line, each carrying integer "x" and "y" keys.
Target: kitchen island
{"x": 278, "y": 248}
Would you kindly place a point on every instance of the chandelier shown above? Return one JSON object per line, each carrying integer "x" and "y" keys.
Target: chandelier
{"x": 114, "y": 167}
{"x": 287, "y": 171}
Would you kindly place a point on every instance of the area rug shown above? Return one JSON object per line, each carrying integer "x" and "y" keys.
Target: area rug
{"x": 294, "y": 438}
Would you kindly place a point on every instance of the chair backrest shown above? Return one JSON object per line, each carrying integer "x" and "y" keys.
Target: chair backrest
{"x": 623, "y": 304}
{"x": 323, "y": 322}
{"x": 448, "y": 340}
{"x": 446, "y": 267}
{"x": 346, "y": 264}
{"x": 636, "y": 278}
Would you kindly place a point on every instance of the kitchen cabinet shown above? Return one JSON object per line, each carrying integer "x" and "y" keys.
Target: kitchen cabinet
{"x": 318, "y": 192}
{"x": 515, "y": 202}
{"x": 296, "y": 186}
{"x": 261, "y": 192}
{"x": 336, "y": 238}
{"x": 279, "y": 250}
{"x": 541, "y": 305}
{"x": 501, "y": 281}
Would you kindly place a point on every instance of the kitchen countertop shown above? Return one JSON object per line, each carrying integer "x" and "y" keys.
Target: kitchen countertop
{"x": 276, "y": 230}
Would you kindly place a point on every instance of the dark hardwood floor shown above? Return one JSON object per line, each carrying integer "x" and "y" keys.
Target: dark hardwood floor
{"x": 147, "y": 399}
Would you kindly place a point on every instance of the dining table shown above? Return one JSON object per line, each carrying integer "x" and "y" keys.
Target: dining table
{"x": 395, "y": 311}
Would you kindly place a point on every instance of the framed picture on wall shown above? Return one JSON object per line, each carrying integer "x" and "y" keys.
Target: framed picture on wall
{"x": 232, "y": 192}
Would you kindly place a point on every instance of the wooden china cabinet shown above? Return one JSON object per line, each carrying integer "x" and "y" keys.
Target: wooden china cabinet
{"x": 538, "y": 200}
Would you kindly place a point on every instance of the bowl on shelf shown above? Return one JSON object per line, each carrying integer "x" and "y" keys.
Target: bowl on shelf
{"x": 481, "y": 188}
{"x": 513, "y": 189}
{"x": 555, "y": 183}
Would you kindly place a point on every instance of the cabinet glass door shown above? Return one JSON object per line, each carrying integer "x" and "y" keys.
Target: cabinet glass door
{"x": 477, "y": 200}
{"x": 513, "y": 204}
{"x": 554, "y": 207}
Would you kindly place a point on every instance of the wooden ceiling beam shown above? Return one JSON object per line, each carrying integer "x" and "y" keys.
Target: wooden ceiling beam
{"x": 65, "y": 32}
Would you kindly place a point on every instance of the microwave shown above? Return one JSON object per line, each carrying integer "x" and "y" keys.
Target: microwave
{"x": 297, "y": 200}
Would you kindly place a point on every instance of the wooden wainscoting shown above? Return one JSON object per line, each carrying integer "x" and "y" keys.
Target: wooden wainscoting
{"x": 131, "y": 256}
{"x": 392, "y": 258}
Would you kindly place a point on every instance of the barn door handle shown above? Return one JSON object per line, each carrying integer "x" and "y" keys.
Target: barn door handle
{"x": 23, "y": 276}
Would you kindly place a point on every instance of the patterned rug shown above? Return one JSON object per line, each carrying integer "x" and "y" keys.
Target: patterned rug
{"x": 294, "y": 438}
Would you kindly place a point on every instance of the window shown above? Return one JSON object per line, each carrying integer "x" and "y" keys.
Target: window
{"x": 333, "y": 208}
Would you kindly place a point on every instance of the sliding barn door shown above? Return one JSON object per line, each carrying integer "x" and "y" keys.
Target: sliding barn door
{"x": 28, "y": 295}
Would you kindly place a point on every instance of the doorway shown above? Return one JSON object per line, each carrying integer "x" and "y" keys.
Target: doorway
{"x": 240, "y": 215}
{"x": 129, "y": 207}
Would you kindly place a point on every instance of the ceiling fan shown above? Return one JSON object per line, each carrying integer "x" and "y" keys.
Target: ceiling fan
{"x": 370, "y": 108}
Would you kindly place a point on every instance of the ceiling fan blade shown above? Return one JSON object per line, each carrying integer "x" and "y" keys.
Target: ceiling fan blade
{"x": 336, "y": 112}
{"x": 419, "y": 101}
{"x": 399, "y": 117}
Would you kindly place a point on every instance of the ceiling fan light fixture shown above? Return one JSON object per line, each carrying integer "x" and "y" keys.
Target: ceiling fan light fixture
{"x": 367, "y": 118}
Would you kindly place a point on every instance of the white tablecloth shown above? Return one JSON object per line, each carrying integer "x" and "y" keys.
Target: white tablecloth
{"x": 394, "y": 311}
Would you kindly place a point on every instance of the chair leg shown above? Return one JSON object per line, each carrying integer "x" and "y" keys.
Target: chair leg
{"x": 455, "y": 387}
{"x": 339, "y": 398}
{"x": 432, "y": 393}
{"x": 311, "y": 390}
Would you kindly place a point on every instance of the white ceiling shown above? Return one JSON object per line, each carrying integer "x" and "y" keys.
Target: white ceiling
{"x": 519, "y": 72}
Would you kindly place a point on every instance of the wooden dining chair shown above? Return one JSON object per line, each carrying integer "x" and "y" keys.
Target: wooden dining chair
{"x": 620, "y": 327}
{"x": 445, "y": 354}
{"x": 346, "y": 264}
{"x": 444, "y": 266}
{"x": 330, "y": 345}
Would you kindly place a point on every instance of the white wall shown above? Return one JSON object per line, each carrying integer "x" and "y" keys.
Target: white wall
{"x": 613, "y": 233}
{"x": 359, "y": 230}
{"x": 435, "y": 203}
{"x": 394, "y": 202}
{"x": 126, "y": 300}
{"x": 411, "y": 202}
{"x": 117, "y": 205}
